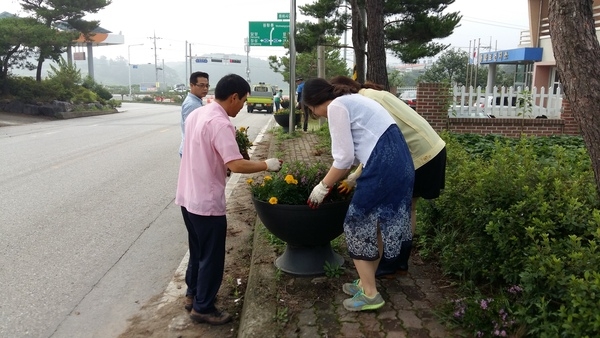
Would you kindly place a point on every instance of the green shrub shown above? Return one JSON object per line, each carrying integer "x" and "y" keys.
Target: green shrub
{"x": 521, "y": 212}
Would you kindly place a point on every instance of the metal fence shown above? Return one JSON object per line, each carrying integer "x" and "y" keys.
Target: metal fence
{"x": 505, "y": 102}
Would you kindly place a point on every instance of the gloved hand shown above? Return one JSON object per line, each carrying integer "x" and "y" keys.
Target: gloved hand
{"x": 273, "y": 164}
{"x": 318, "y": 194}
{"x": 350, "y": 182}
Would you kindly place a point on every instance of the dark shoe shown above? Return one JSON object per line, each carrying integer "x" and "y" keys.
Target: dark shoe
{"x": 213, "y": 318}
{"x": 387, "y": 268}
{"x": 404, "y": 255}
{"x": 189, "y": 303}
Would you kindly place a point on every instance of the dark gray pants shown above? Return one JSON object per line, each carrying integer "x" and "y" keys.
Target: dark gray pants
{"x": 206, "y": 238}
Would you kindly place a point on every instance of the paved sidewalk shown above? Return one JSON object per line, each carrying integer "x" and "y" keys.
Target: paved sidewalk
{"x": 410, "y": 299}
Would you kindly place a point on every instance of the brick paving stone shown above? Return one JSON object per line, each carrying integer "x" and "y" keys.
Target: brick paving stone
{"x": 410, "y": 319}
{"x": 351, "y": 330}
{"x": 370, "y": 324}
{"x": 406, "y": 281}
{"x": 435, "y": 298}
{"x": 421, "y": 304}
{"x": 396, "y": 334}
{"x": 436, "y": 329}
{"x": 418, "y": 333}
{"x": 389, "y": 325}
{"x": 387, "y": 314}
{"x": 413, "y": 293}
{"x": 400, "y": 302}
{"x": 307, "y": 318}
{"x": 308, "y": 331}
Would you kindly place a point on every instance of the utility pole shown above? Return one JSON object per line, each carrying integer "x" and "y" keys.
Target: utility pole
{"x": 185, "y": 62}
{"x": 247, "y": 50}
{"x": 155, "y": 61}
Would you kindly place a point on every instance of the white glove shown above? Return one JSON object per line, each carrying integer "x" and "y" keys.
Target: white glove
{"x": 318, "y": 194}
{"x": 350, "y": 182}
{"x": 273, "y": 164}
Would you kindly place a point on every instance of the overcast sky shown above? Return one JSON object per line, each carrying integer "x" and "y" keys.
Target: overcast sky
{"x": 221, "y": 26}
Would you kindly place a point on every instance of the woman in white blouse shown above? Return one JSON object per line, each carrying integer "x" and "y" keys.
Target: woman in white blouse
{"x": 362, "y": 131}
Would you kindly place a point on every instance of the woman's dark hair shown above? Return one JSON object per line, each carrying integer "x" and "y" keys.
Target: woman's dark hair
{"x": 346, "y": 81}
{"x": 231, "y": 84}
{"x": 318, "y": 90}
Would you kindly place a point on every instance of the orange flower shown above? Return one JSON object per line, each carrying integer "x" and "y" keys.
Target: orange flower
{"x": 273, "y": 200}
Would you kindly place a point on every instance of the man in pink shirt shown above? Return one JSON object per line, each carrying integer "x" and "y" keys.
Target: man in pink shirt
{"x": 211, "y": 148}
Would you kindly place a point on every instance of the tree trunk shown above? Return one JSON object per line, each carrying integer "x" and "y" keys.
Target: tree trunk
{"x": 358, "y": 40}
{"x": 38, "y": 73}
{"x": 376, "y": 66}
{"x": 577, "y": 54}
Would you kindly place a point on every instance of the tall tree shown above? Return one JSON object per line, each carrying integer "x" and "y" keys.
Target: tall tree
{"x": 412, "y": 25}
{"x": 376, "y": 67}
{"x": 52, "y": 13}
{"x": 409, "y": 26}
{"x": 577, "y": 54}
{"x": 16, "y": 34}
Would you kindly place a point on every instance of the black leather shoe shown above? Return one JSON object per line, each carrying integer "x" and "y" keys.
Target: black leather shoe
{"x": 189, "y": 303}
{"x": 213, "y": 318}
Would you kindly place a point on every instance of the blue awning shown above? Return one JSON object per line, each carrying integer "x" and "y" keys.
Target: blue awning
{"x": 519, "y": 55}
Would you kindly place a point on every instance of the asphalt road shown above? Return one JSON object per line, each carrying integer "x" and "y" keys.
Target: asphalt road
{"x": 88, "y": 226}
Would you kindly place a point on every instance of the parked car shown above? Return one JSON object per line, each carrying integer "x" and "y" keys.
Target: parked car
{"x": 410, "y": 97}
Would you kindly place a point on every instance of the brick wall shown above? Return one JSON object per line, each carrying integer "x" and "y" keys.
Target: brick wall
{"x": 432, "y": 104}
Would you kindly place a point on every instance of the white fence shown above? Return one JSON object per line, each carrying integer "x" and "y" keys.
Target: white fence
{"x": 505, "y": 102}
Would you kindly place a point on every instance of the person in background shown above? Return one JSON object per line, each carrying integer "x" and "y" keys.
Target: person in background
{"x": 210, "y": 148}
{"x": 198, "y": 90}
{"x": 277, "y": 99}
{"x": 428, "y": 152}
{"x": 362, "y": 131}
{"x": 299, "y": 106}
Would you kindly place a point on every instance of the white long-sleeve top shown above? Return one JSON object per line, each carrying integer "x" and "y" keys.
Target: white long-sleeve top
{"x": 355, "y": 124}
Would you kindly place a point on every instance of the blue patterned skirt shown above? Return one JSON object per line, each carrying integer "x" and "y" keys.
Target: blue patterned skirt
{"x": 382, "y": 200}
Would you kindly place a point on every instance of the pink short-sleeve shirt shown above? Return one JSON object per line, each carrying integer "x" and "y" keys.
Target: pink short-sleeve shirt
{"x": 209, "y": 144}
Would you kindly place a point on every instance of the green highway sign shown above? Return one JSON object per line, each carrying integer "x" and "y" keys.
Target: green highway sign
{"x": 283, "y": 16}
{"x": 268, "y": 33}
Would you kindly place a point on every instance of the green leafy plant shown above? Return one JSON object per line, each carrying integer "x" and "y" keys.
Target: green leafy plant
{"x": 333, "y": 270}
{"x": 293, "y": 184}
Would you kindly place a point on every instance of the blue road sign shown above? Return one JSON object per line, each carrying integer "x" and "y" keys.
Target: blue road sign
{"x": 201, "y": 60}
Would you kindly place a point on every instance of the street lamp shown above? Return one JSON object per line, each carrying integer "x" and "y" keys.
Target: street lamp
{"x": 129, "y": 64}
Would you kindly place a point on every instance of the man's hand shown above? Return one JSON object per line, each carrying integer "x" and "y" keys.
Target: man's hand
{"x": 349, "y": 183}
{"x": 318, "y": 194}
{"x": 273, "y": 164}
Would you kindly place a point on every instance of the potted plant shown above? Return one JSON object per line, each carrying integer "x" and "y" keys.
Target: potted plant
{"x": 282, "y": 117}
{"x": 280, "y": 202}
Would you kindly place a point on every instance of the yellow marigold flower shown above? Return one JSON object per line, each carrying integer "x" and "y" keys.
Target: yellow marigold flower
{"x": 242, "y": 129}
{"x": 289, "y": 179}
{"x": 268, "y": 178}
{"x": 273, "y": 200}
{"x": 249, "y": 181}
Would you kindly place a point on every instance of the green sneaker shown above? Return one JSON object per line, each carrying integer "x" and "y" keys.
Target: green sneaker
{"x": 352, "y": 288}
{"x": 361, "y": 302}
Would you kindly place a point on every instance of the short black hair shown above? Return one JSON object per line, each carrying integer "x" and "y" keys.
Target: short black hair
{"x": 231, "y": 84}
{"x": 195, "y": 75}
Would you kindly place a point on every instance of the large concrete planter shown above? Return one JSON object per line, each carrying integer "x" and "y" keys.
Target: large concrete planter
{"x": 307, "y": 233}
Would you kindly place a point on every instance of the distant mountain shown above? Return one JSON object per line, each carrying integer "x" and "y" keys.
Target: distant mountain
{"x": 116, "y": 72}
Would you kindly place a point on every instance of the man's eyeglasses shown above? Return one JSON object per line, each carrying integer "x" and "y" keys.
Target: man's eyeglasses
{"x": 202, "y": 85}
